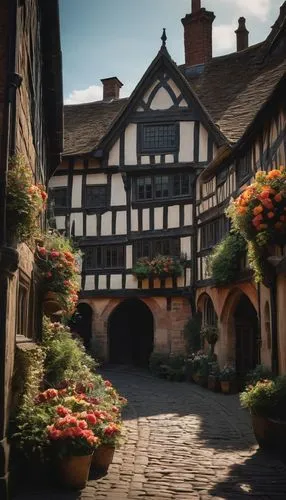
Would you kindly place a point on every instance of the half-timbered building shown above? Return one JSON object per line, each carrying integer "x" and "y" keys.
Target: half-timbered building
{"x": 153, "y": 174}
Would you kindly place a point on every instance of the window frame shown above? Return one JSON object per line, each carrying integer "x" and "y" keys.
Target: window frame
{"x": 101, "y": 253}
{"x": 139, "y": 252}
{"x": 58, "y": 189}
{"x": 143, "y": 149}
{"x": 246, "y": 173}
{"x": 171, "y": 188}
{"x": 103, "y": 205}
{"x": 209, "y": 231}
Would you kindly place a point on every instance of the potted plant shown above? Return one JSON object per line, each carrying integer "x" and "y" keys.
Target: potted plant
{"x": 266, "y": 400}
{"x": 210, "y": 334}
{"x": 259, "y": 215}
{"x": 200, "y": 368}
{"x": 227, "y": 378}
{"x": 109, "y": 432}
{"x": 162, "y": 266}
{"x": 213, "y": 378}
{"x": 73, "y": 443}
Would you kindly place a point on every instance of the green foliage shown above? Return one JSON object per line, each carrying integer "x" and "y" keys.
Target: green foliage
{"x": 227, "y": 374}
{"x": 66, "y": 358}
{"x": 25, "y": 200}
{"x": 192, "y": 333}
{"x": 161, "y": 266}
{"x": 260, "y": 372}
{"x": 172, "y": 367}
{"x": 210, "y": 334}
{"x": 224, "y": 261}
{"x": 266, "y": 398}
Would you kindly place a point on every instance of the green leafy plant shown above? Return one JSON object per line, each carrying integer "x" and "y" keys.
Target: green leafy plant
{"x": 266, "y": 398}
{"x": 259, "y": 215}
{"x": 25, "y": 200}
{"x": 227, "y": 374}
{"x": 224, "y": 262}
{"x": 260, "y": 372}
{"x": 161, "y": 267}
{"x": 192, "y": 333}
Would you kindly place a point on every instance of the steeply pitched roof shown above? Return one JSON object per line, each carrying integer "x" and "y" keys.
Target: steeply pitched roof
{"x": 86, "y": 124}
{"x": 230, "y": 89}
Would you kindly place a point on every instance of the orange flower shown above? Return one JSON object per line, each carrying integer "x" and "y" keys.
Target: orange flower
{"x": 273, "y": 174}
{"x": 270, "y": 215}
{"x": 256, "y": 220}
{"x": 257, "y": 210}
{"x": 278, "y": 197}
{"x": 242, "y": 210}
{"x": 261, "y": 227}
{"x": 267, "y": 203}
{"x": 281, "y": 169}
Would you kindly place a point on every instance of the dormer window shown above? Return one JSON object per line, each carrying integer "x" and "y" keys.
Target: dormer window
{"x": 159, "y": 138}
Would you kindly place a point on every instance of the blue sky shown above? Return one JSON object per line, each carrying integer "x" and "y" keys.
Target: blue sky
{"x": 103, "y": 38}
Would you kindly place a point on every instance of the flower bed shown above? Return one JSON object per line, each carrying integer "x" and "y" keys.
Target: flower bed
{"x": 259, "y": 214}
{"x": 161, "y": 266}
{"x": 25, "y": 201}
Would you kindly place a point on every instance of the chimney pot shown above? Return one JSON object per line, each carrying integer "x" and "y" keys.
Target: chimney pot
{"x": 241, "y": 35}
{"x": 198, "y": 35}
{"x": 111, "y": 88}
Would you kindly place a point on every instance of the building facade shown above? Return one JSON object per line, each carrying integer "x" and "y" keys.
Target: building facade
{"x": 30, "y": 126}
{"x": 153, "y": 174}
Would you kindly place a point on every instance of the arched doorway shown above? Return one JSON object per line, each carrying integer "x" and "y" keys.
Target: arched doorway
{"x": 131, "y": 333}
{"x": 81, "y": 323}
{"x": 246, "y": 331}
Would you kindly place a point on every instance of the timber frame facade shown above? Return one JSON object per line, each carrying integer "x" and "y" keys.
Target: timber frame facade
{"x": 31, "y": 125}
{"x": 153, "y": 174}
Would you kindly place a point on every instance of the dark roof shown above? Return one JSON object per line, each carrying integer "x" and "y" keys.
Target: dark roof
{"x": 231, "y": 89}
{"x": 86, "y": 124}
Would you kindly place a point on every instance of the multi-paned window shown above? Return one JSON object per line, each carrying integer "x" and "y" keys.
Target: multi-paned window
{"x": 104, "y": 257}
{"x": 159, "y": 138}
{"x": 212, "y": 232}
{"x": 162, "y": 187}
{"x": 151, "y": 248}
{"x": 243, "y": 168}
{"x": 96, "y": 196}
{"x": 59, "y": 196}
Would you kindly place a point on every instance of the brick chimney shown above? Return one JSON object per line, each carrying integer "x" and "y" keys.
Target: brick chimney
{"x": 111, "y": 88}
{"x": 241, "y": 35}
{"x": 198, "y": 34}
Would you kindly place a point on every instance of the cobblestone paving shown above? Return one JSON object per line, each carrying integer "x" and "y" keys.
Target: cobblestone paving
{"x": 183, "y": 443}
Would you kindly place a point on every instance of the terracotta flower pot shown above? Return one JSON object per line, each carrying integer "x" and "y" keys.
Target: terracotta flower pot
{"x": 225, "y": 386}
{"x": 51, "y": 303}
{"x": 262, "y": 430}
{"x": 103, "y": 457}
{"x": 213, "y": 383}
{"x": 74, "y": 471}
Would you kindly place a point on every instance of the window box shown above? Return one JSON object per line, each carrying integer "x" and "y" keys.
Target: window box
{"x": 161, "y": 267}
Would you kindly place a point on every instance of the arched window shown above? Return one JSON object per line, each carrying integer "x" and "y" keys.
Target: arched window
{"x": 210, "y": 317}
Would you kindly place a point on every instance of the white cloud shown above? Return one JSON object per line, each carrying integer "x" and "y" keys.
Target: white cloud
{"x": 224, "y": 37}
{"x": 256, "y": 8}
{"x": 92, "y": 93}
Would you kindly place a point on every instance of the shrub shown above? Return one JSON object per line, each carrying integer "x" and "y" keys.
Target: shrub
{"x": 156, "y": 361}
{"x": 192, "y": 333}
{"x": 266, "y": 398}
{"x": 227, "y": 374}
{"x": 171, "y": 367}
{"x": 224, "y": 262}
{"x": 260, "y": 372}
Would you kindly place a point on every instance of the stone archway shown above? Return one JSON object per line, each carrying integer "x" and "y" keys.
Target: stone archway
{"x": 81, "y": 322}
{"x": 131, "y": 333}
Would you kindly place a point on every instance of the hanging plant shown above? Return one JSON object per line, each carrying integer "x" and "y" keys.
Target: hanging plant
{"x": 259, "y": 215}
{"x": 57, "y": 260}
{"x": 224, "y": 262}
{"x": 161, "y": 266}
{"x": 26, "y": 201}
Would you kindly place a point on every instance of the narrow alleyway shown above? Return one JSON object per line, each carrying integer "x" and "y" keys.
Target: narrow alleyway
{"x": 183, "y": 443}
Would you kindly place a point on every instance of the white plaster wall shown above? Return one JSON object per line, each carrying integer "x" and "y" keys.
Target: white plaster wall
{"x": 89, "y": 282}
{"x": 121, "y": 226}
{"x": 131, "y": 282}
{"x": 181, "y": 281}
{"x": 106, "y": 224}
{"x": 116, "y": 281}
{"x": 146, "y": 96}
{"x": 78, "y": 220}
{"x": 145, "y": 160}
{"x": 188, "y": 276}
{"x": 129, "y": 256}
{"x": 158, "y": 218}
{"x": 102, "y": 282}
{"x": 58, "y": 181}
{"x": 61, "y": 221}
{"x": 96, "y": 178}
{"x": 118, "y": 195}
{"x": 139, "y": 110}
{"x": 161, "y": 100}
{"x": 146, "y": 219}
{"x": 169, "y": 159}
{"x": 113, "y": 157}
{"x": 183, "y": 104}
{"x": 186, "y": 246}
{"x": 76, "y": 191}
{"x": 130, "y": 147}
{"x": 174, "y": 88}
{"x": 188, "y": 215}
{"x": 134, "y": 220}
{"x": 91, "y": 225}
{"x": 157, "y": 159}
{"x": 173, "y": 216}
{"x": 203, "y": 150}
{"x": 186, "y": 152}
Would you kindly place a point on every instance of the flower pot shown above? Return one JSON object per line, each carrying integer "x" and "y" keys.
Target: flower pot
{"x": 51, "y": 303}
{"x": 74, "y": 471}
{"x": 225, "y": 386}
{"x": 200, "y": 380}
{"x": 103, "y": 457}
{"x": 262, "y": 430}
{"x": 213, "y": 383}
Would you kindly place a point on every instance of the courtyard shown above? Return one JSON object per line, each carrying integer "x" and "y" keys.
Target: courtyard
{"x": 182, "y": 443}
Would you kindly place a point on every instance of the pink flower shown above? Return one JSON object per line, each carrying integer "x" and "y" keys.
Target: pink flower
{"x": 54, "y": 254}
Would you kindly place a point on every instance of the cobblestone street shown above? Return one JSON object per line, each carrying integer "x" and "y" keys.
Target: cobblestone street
{"x": 183, "y": 443}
